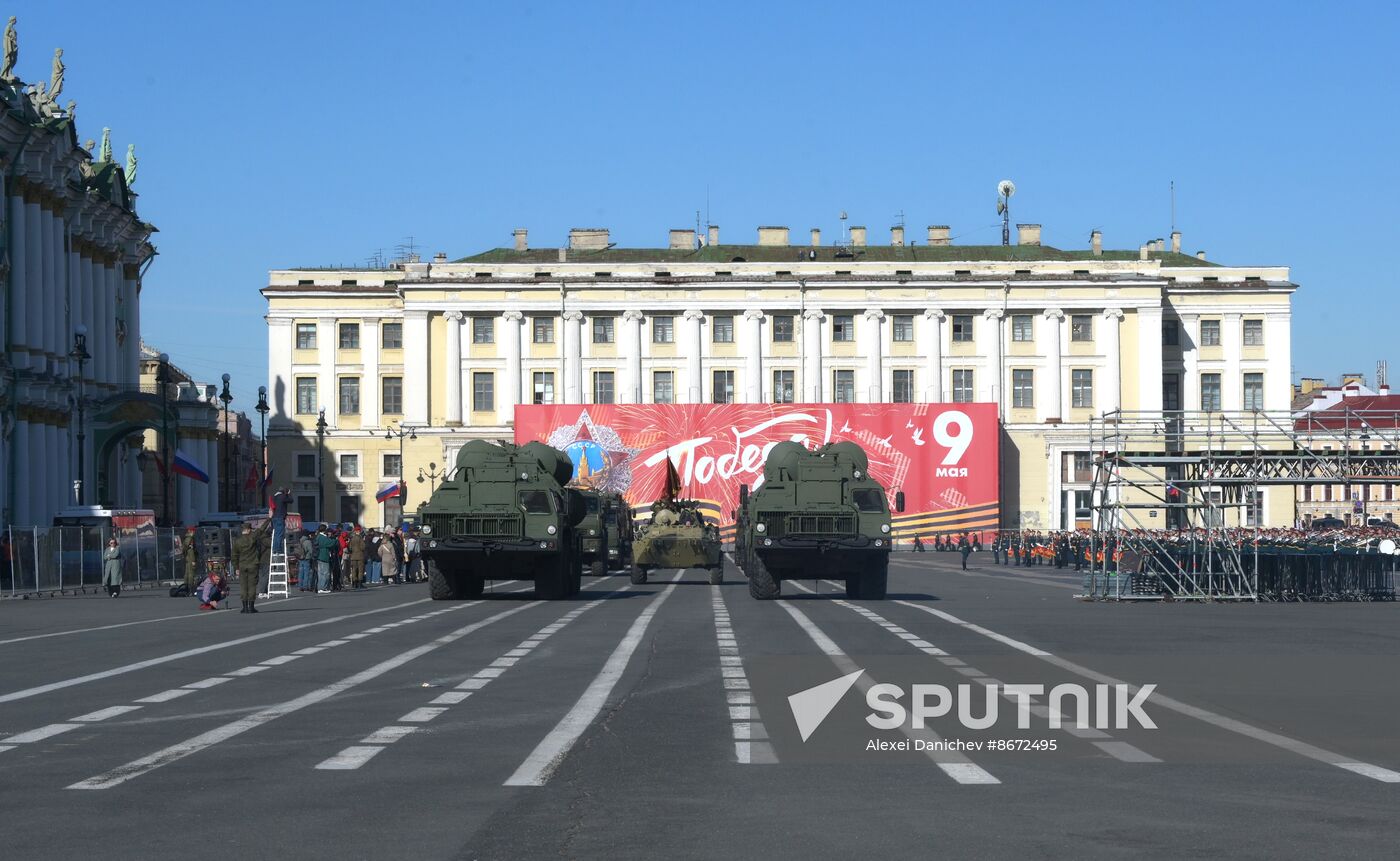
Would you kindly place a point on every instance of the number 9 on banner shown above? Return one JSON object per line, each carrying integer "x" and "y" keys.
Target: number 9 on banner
{"x": 953, "y": 431}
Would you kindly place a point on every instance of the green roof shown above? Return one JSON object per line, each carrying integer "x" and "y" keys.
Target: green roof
{"x": 827, "y": 253}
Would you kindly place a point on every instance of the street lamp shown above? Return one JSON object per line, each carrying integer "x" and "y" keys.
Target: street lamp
{"x": 262, "y": 409}
{"x": 400, "y": 433}
{"x": 163, "y": 381}
{"x": 80, "y": 355}
{"x": 321, "y": 465}
{"x": 226, "y": 396}
{"x": 432, "y": 475}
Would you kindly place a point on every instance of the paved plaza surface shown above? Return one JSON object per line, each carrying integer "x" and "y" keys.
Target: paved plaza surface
{"x": 645, "y": 722}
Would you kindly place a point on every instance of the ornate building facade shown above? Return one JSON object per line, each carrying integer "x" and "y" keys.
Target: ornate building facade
{"x": 445, "y": 350}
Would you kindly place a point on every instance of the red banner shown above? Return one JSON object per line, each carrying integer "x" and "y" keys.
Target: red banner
{"x": 944, "y": 457}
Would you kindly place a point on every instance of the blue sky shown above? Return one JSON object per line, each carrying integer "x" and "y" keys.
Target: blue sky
{"x": 315, "y": 133}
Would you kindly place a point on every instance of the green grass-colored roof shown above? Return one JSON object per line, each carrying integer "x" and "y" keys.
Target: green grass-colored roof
{"x": 826, "y": 254}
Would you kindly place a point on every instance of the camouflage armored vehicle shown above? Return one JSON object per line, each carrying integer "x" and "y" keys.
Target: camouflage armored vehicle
{"x": 605, "y": 533}
{"x": 676, "y": 537}
{"x": 504, "y": 513}
{"x": 818, "y": 514}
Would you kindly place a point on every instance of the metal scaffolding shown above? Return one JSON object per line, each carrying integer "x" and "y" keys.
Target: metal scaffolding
{"x": 1176, "y": 503}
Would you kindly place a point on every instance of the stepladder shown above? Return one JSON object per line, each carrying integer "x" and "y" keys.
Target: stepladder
{"x": 277, "y": 574}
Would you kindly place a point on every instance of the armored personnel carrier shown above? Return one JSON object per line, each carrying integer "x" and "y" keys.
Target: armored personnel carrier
{"x": 677, "y": 537}
{"x": 818, "y": 514}
{"x": 605, "y": 533}
{"x": 504, "y": 513}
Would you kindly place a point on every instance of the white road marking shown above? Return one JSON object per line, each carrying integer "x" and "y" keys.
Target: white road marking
{"x": 165, "y": 696}
{"x": 146, "y": 764}
{"x": 388, "y": 734}
{"x": 540, "y": 765}
{"x": 350, "y": 758}
{"x": 208, "y": 683}
{"x": 451, "y": 698}
{"x": 248, "y": 671}
{"x": 421, "y": 715}
{"x": 5, "y": 747}
{"x": 309, "y": 650}
{"x": 41, "y": 733}
{"x": 744, "y": 725}
{"x": 196, "y": 615}
{"x": 1124, "y": 751}
{"x": 188, "y": 653}
{"x": 103, "y": 714}
{"x": 280, "y": 660}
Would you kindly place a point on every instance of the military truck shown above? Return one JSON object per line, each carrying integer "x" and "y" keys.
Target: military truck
{"x": 605, "y": 533}
{"x": 677, "y": 537}
{"x": 818, "y": 514}
{"x": 505, "y": 512}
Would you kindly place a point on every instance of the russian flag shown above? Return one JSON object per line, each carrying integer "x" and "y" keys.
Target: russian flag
{"x": 186, "y": 466}
{"x": 388, "y": 491}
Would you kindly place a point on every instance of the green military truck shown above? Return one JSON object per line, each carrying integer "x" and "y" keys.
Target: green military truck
{"x": 605, "y": 533}
{"x": 818, "y": 514}
{"x": 504, "y": 513}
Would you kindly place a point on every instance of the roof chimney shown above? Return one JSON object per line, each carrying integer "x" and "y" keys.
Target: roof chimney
{"x": 1176, "y": 241}
{"x": 1096, "y": 242}
{"x": 772, "y": 236}
{"x": 1142, "y": 251}
{"x": 939, "y": 234}
{"x": 440, "y": 257}
{"x": 522, "y": 239}
{"x": 897, "y": 236}
{"x": 1028, "y": 234}
{"x": 1159, "y": 245}
{"x": 714, "y": 234}
{"x": 1200, "y": 255}
{"x": 816, "y": 237}
{"x": 682, "y": 240}
{"x": 858, "y": 236}
{"x": 588, "y": 239}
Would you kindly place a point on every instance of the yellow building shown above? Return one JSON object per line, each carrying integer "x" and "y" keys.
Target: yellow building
{"x": 445, "y": 350}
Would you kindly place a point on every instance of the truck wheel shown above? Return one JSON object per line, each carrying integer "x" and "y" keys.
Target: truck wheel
{"x": 762, "y": 586}
{"x": 875, "y": 580}
{"x": 716, "y": 575}
{"x": 442, "y": 586}
{"x": 599, "y": 568}
{"x": 639, "y": 574}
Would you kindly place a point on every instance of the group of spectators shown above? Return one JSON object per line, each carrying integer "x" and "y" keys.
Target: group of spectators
{"x": 344, "y": 556}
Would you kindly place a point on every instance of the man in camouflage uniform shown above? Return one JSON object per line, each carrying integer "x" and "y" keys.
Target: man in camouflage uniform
{"x": 355, "y": 554}
{"x": 248, "y": 552}
{"x": 191, "y": 554}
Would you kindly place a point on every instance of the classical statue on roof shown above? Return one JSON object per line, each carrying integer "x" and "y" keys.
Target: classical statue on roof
{"x": 106, "y": 154}
{"x": 130, "y": 164}
{"x": 56, "y": 79}
{"x": 11, "y": 51}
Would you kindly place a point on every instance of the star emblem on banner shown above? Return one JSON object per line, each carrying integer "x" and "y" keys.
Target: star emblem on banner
{"x": 601, "y": 461}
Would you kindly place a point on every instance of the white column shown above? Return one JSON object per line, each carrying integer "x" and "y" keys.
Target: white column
{"x": 89, "y": 313}
{"x": 933, "y": 355}
{"x": 510, "y": 383}
{"x": 57, "y": 285}
{"x": 1149, "y": 359}
{"x": 1231, "y": 376}
{"x": 51, "y": 295}
{"x": 280, "y": 395}
{"x": 415, "y": 370}
{"x": 370, "y": 341}
{"x": 55, "y": 497}
{"x": 573, "y": 357}
{"x": 752, "y": 392}
{"x": 1052, "y": 401}
{"x": 693, "y": 346}
{"x": 1191, "y": 362}
{"x": 35, "y": 330}
{"x": 19, "y": 274}
{"x": 453, "y": 320}
{"x": 21, "y": 515}
{"x": 873, "y": 342}
{"x": 38, "y": 504}
{"x": 105, "y": 308}
{"x": 1111, "y": 397}
{"x": 1278, "y": 345}
{"x": 630, "y": 389}
{"x": 326, "y": 338}
{"x": 991, "y": 384}
{"x": 812, "y": 383}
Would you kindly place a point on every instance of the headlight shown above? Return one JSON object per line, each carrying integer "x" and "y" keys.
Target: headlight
{"x": 879, "y": 543}
{"x": 760, "y": 527}
{"x": 767, "y": 542}
{"x": 592, "y": 532}
{"x": 885, "y": 528}
{"x": 432, "y": 544}
{"x": 551, "y": 530}
{"x": 427, "y": 530}
{"x": 856, "y": 473}
{"x": 544, "y": 545}
{"x": 524, "y": 476}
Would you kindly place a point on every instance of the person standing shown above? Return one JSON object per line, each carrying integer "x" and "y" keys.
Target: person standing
{"x": 411, "y": 556}
{"x": 965, "y": 549}
{"x": 306, "y": 582}
{"x": 355, "y": 552}
{"x": 372, "y": 564}
{"x": 247, "y": 564}
{"x": 389, "y": 556}
{"x": 279, "y": 518}
{"x": 325, "y": 544}
{"x": 112, "y": 568}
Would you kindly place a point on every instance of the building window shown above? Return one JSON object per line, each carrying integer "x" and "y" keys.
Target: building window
{"x": 1254, "y": 333}
{"x": 306, "y": 395}
{"x": 1210, "y": 333}
{"x": 483, "y": 391}
{"x": 349, "y": 396}
{"x": 1081, "y": 327}
{"x": 962, "y": 385}
{"x": 392, "y": 336}
{"x": 349, "y": 466}
{"x": 962, "y": 327}
{"x": 306, "y": 336}
{"x": 903, "y": 388}
{"x": 843, "y": 328}
{"x": 542, "y": 387}
{"x": 1170, "y": 334}
{"x": 1254, "y": 391}
{"x": 306, "y": 507}
{"x": 782, "y": 328}
{"x": 1171, "y": 392}
{"x": 1078, "y": 468}
{"x": 483, "y": 330}
{"x": 723, "y": 329}
{"x": 1253, "y": 507}
{"x": 722, "y": 391}
{"x": 1021, "y": 328}
{"x": 349, "y": 509}
{"x": 1210, "y": 392}
{"x": 349, "y": 336}
{"x": 663, "y": 330}
{"x": 1307, "y": 492}
{"x": 663, "y": 387}
{"x": 1081, "y": 387}
{"x": 843, "y": 387}
{"x": 784, "y": 386}
{"x": 543, "y": 330}
{"x": 306, "y": 466}
{"x": 902, "y": 329}
{"x": 391, "y": 465}
{"x": 392, "y": 402}
{"x": 603, "y": 391}
{"x": 1023, "y": 388}
{"x": 603, "y": 330}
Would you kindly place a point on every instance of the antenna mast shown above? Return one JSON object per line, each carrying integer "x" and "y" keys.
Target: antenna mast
{"x": 1173, "y": 206}
{"x": 1005, "y": 189}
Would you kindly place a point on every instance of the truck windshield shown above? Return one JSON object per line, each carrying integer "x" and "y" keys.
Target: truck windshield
{"x": 868, "y": 499}
{"x": 534, "y": 501}
{"x": 592, "y": 502}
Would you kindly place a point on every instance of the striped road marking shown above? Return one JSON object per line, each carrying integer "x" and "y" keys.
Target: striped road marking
{"x": 751, "y": 743}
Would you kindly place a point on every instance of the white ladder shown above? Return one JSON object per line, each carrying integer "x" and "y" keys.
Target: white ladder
{"x": 277, "y": 574}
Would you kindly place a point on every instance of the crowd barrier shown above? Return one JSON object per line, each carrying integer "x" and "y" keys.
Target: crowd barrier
{"x": 58, "y": 560}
